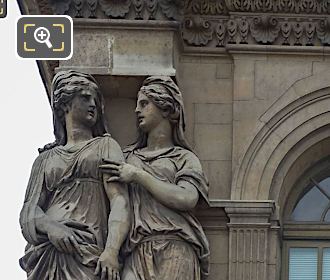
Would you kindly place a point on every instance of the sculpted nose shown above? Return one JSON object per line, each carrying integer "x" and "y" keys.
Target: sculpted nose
{"x": 93, "y": 104}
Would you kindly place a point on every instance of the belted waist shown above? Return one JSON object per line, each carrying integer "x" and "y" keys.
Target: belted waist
{"x": 161, "y": 237}
{"x": 76, "y": 182}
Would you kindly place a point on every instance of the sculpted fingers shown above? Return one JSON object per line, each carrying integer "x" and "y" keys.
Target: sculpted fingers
{"x": 68, "y": 246}
{"x": 61, "y": 244}
{"x": 104, "y": 273}
{"x": 114, "y": 179}
{"x": 75, "y": 245}
{"x": 98, "y": 268}
{"x": 111, "y": 161}
{"x": 57, "y": 245}
{"x": 116, "y": 275}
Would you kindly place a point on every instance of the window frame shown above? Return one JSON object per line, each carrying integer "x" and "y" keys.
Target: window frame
{"x": 320, "y": 245}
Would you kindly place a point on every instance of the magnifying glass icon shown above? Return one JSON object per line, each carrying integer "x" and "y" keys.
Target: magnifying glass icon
{"x": 42, "y": 35}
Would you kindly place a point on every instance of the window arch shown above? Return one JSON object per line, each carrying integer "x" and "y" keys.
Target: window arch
{"x": 306, "y": 229}
{"x": 314, "y": 206}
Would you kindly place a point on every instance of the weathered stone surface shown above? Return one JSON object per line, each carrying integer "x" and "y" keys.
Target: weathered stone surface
{"x": 224, "y": 71}
{"x": 119, "y": 48}
{"x": 118, "y": 109}
{"x": 200, "y": 85}
{"x": 274, "y": 77}
{"x": 213, "y": 113}
{"x": 244, "y": 79}
{"x": 92, "y": 51}
{"x": 213, "y": 142}
{"x": 219, "y": 175}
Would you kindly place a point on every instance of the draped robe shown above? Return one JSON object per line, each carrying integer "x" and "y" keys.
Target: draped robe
{"x": 66, "y": 184}
{"x": 165, "y": 243}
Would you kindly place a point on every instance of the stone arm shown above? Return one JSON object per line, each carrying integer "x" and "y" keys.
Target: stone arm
{"x": 182, "y": 196}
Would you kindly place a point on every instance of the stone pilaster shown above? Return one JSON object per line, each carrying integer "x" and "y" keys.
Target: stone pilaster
{"x": 250, "y": 234}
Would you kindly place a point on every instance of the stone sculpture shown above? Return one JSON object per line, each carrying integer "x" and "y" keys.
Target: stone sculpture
{"x": 65, "y": 217}
{"x": 166, "y": 180}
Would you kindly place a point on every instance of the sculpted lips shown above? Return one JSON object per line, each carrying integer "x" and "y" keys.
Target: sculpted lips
{"x": 91, "y": 112}
{"x": 140, "y": 118}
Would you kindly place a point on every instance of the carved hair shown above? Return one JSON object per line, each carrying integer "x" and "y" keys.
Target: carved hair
{"x": 64, "y": 86}
{"x": 165, "y": 94}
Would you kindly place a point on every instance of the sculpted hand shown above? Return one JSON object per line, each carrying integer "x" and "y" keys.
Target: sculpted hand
{"x": 64, "y": 239}
{"x": 119, "y": 171}
{"x": 108, "y": 265}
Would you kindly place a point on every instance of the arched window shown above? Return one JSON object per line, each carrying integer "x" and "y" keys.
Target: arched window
{"x": 314, "y": 206}
{"x": 306, "y": 231}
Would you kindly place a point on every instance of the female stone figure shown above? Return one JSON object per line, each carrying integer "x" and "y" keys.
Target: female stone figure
{"x": 165, "y": 241}
{"x": 65, "y": 217}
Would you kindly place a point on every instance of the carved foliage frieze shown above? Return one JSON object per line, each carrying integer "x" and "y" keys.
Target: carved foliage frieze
{"x": 215, "y": 23}
{"x": 129, "y": 9}
{"x": 262, "y": 29}
{"x": 198, "y": 32}
{"x": 205, "y": 7}
{"x": 265, "y": 29}
{"x": 280, "y": 6}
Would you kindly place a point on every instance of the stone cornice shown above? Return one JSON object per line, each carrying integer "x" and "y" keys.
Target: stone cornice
{"x": 215, "y": 23}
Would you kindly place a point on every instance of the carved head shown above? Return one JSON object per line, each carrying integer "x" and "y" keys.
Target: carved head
{"x": 65, "y": 86}
{"x": 165, "y": 94}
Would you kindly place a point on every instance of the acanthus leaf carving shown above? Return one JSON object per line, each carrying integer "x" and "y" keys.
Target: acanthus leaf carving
{"x": 212, "y": 7}
{"x": 78, "y": 5}
{"x": 92, "y": 5}
{"x": 152, "y": 8}
{"x": 286, "y": 28}
{"x": 60, "y": 7}
{"x": 279, "y": 6}
{"x": 298, "y": 29}
{"x": 115, "y": 8}
{"x": 323, "y": 31}
{"x": 205, "y": 7}
{"x": 232, "y": 30}
{"x": 265, "y": 29}
{"x": 243, "y": 28}
{"x": 173, "y": 9}
{"x": 138, "y": 8}
{"x": 197, "y": 31}
{"x": 310, "y": 32}
{"x": 220, "y": 32}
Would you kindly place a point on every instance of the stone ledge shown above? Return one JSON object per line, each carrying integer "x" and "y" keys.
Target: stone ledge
{"x": 242, "y": 203}
{"x": 127, "y": 24}
{"x": 274, "y": 49}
